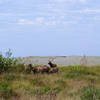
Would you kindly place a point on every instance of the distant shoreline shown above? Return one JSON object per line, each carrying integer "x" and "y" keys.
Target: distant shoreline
{"x": 62, "y": 60}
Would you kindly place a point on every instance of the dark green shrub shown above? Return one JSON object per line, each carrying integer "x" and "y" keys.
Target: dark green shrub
{"x": 6, "y": 62}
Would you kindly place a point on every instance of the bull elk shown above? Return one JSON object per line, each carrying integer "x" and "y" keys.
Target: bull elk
{"x": 53, "y": 66}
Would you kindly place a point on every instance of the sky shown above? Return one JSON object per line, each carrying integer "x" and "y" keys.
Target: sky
{"x": 50, "y": 27}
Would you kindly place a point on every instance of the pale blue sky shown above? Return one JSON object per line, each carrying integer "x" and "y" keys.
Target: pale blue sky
{"x": 50, "y": 27}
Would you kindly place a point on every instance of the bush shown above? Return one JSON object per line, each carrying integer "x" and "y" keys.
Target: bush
{"x": 6, "y": 62}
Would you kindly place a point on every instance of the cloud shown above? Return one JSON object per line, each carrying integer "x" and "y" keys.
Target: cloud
{"x": 38, "y": 20}
{"x": 25, "y": 21}
{"x": 66, "y": 18}
{"x": 45, "y": 22}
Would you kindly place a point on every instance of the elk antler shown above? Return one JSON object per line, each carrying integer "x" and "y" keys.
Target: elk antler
{"x": 51, "y": 59}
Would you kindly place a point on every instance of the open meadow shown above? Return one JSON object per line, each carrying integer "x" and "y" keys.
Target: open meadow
{"x": 70, "y": 83}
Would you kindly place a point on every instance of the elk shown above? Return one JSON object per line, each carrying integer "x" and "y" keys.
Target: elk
{"x": 41, "y": 69}
{"x": 52, "y": 65}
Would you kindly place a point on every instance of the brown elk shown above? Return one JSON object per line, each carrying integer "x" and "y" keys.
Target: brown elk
{"x": 53, "y": 66}
{"x": 41, "y": 69}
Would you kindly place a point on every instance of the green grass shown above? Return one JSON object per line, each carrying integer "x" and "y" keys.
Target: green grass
{"x": 70, "y": 83}
{"x": 90, "y": 93}
{"x": 6, "y": 90}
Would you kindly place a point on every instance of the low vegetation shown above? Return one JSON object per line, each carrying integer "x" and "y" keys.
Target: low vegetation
{"x": 70, "y": 83}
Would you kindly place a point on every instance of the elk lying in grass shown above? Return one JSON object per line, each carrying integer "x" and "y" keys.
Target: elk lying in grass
{"x": 41, "y": 69}
{"x": 53, "y": 70}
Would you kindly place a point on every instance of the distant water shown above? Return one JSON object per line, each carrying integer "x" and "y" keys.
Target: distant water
{"x": 62, "y": 60}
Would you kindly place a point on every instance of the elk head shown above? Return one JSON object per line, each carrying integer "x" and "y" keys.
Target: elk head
{"x": 51, "y": 64}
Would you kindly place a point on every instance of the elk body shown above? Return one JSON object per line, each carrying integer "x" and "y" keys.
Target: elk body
{"x": 54, "y": 70}
{"x": 41, "y": 69}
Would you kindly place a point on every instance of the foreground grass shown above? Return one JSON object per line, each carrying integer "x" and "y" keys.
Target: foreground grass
{"x": 71, "y": 83}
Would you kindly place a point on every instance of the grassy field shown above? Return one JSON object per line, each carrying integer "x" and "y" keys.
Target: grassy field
{"x": 70, "y": 83}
